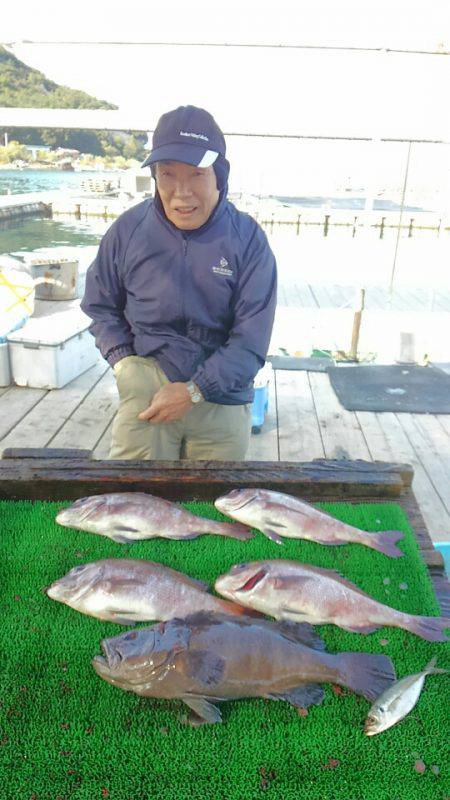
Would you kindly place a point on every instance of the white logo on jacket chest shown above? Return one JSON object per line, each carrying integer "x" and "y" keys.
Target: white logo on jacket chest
{"x": 223, "y": 268}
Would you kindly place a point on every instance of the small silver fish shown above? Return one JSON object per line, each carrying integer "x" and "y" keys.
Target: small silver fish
{"x": 130, "y": 516}
{"x": 276, "y": 515}
{"x": 398, "y": 700}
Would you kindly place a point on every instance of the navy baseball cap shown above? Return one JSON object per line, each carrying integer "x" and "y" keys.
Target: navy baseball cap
{"x": 188, "y": 134}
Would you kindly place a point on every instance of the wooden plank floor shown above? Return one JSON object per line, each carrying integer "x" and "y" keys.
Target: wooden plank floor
{"x": 304, "y": 421}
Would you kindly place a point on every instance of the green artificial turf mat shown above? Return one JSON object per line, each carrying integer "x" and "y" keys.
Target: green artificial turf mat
{"x": 65, "y": 734}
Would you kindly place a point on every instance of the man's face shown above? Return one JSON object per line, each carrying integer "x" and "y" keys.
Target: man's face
{"x": 188, "y": 194}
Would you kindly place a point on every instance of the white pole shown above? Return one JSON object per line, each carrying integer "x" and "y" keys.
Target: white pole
{"x": 391, "y": 285}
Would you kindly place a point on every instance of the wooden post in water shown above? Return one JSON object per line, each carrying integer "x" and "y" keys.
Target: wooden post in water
{"x": 353, "y": 354}
{"x": 325, "y": 224}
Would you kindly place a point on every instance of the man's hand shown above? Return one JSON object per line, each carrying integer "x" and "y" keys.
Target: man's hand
{"x": 170, "y": 403}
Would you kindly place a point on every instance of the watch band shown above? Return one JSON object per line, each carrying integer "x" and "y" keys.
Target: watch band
{"x": 194, "y": 392}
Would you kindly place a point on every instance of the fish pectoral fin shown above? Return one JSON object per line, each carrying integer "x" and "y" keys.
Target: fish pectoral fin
{"x": 121, "y": 539}
{"x": 272, "y": 523}
{"x": 204, "y": 666}
{"x": 121, "y": 620}
{"x": 294, "y": 612}
{"x": 307, "y": 694}
{"x": 204, "y": 587}
{"x": 125, "y": 529}
{"x": 204, "y": 712}
{"x": 271, "y": 534}
{"x": 301, "y": 632}
{"x": 360, "y": 628}
{"x": 122, "y": 617}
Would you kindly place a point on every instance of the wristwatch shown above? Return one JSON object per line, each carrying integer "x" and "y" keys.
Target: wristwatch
{"x": 194, "y": 392}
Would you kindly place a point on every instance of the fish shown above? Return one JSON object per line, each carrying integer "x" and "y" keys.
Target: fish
{"x": 129, "y": 590}
{"x": 127, "y": 517}
{"x": 210, "y": 657}
{"x": 398, "y": 700}
{"x": 276, "y": 515}
{"x": 304, "y": 593}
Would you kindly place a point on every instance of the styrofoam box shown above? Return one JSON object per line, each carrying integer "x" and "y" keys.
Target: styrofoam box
{"x": 61, "y": 279}
{"x": 5, "y": 369}
{"x": 47, "y": 353}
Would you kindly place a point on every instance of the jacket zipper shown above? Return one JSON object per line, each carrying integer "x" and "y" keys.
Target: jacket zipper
{"x": 183, "y": 280}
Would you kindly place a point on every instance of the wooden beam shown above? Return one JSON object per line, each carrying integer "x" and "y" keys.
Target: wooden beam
{"x": 70, "y": 475}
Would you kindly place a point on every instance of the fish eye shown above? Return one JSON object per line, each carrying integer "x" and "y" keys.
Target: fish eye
{"x": 129, "y": 636}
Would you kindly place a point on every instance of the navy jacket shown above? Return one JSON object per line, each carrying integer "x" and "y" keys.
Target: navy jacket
{"x": 201, "y": 302}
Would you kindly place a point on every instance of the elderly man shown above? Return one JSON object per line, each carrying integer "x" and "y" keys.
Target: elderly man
{"x": 182, "y": 296}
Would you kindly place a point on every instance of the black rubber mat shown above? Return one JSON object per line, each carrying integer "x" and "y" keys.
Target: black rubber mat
{"x": 309, "y": 364}
{"x": 419, "y": 390}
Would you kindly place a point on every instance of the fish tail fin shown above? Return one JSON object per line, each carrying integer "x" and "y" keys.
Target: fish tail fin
{"x": 429, "y": 628}
{"x": 432, "y": 669}
{"x": 234, "y": 530}
{"x": 366, "y": 674}
{"x": 385, "y": 542}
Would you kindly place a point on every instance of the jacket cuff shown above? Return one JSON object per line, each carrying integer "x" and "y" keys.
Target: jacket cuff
{"x": 117, "y": 353}
{"x": 204, "y": 385}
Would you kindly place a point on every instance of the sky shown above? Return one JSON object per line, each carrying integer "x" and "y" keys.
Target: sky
{"x": 306, "y": 92}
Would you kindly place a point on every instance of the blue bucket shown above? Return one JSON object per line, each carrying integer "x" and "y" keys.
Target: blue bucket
{"x": 444, "y": 549}
{"x": 259, "y": 407}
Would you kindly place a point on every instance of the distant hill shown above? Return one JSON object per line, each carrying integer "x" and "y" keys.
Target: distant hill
{"x": 22, "y": 86}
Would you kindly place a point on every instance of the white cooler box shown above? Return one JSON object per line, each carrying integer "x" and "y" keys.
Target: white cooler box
{"x": 47, "y": 353}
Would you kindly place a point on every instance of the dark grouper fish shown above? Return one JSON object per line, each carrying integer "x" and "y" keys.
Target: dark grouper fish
{"x": 304, "y": 593}
{"x": 129, "y": 516}
{"x": 277, "y": 515}
{"x": 127, "y": 590}
{"x": 208, "y": 657}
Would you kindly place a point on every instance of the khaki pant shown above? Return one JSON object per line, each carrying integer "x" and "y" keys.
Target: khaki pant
{"x": 208, "y": 431}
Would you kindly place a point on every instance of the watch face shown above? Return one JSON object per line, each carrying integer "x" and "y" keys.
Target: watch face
{"x": 195, "y": 397}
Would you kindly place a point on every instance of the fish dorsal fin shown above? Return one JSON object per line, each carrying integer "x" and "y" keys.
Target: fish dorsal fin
{"x": 201, "y": 585}
{"x": 301, "y": 632}
{"x": 207, "y": 618}
{"x": 332, "y": 574}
